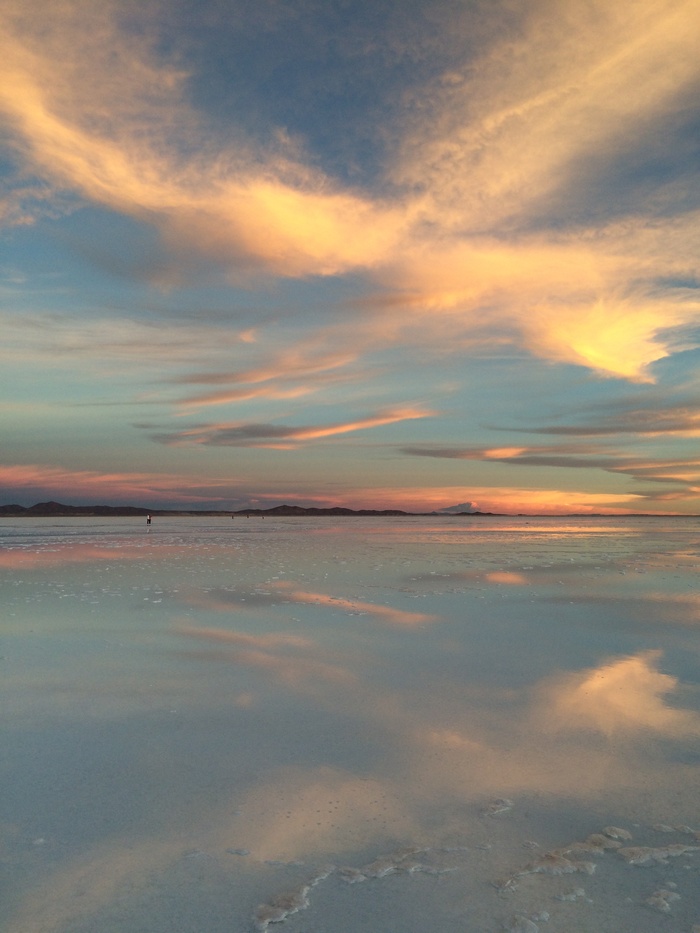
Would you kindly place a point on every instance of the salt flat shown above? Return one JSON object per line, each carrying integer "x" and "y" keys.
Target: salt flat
{"x": 337, "y": 725}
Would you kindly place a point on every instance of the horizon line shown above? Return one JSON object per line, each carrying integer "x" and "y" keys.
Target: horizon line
{"x": 52, "y": 507}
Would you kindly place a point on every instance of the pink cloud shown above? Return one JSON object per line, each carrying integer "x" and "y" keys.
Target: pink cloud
{"x": 56, "y": 481}
{"x": 239, "y": 434}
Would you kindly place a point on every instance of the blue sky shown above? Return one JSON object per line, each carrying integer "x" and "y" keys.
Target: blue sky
{"x": 417, "y": 254}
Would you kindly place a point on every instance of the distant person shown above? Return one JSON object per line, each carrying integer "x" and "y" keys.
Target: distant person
{"x": 148, "y": 519}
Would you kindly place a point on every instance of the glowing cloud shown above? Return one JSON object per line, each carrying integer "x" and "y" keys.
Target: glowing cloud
{"x": 119, "y": 486}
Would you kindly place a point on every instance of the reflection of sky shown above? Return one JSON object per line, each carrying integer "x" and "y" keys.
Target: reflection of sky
{"x": 342, "y": 253}
{"x": 295, "y": 695}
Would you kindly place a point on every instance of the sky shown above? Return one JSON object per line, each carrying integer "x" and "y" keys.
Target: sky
{"x": 415, "y": 254}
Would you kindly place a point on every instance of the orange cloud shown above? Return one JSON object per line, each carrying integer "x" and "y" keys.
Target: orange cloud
{"x": 96, "y": 144}
{"x": 507, "y": 499}
{"x": 494, "y": 147}
{"x": 52, "y": 480}
{"x": 279, "y": 436}
{"x": 243, "y": 395}
{"x": 503, "y": 132}
{"x": 614, "y": 336}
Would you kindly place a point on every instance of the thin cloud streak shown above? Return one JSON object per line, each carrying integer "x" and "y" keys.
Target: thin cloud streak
{"x": 682, "y": 420}
{"x": 224, "y": 208}
{"x": 685, "y": 471}
{"x": 254, "y": 435}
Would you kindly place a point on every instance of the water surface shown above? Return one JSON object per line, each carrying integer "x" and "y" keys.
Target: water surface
{"x": 336, "y": 725}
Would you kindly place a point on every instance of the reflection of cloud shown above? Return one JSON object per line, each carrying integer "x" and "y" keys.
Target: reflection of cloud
{"x": 40, "y": 558}
{"x": 276, "y": 655}
{"x": 506, "y": 577}
{"x": 320, "y": 811}
{"x": 620, "y": 697}
{"x": 228, "y": 602}
{"x": 384, "y": 613}
{"x": 227, "y": 637}
{"x": 88, "y": 883}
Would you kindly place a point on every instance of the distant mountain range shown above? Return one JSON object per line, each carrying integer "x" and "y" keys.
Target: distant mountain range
{"x": 57, "y": 509}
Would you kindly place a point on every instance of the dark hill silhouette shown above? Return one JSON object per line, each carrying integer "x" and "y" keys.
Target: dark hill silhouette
{"x": 53, "y": 509}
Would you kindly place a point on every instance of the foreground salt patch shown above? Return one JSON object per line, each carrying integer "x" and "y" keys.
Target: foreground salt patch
{"x": 647, "y": 855}
{"x": 606, "y": 843}
{"x": 403, "y": 860}
{"x": 535, "y": 892}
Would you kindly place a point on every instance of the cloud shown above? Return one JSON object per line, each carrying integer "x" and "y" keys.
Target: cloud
{"x": 123, "y": 136}
{"x": 683, "y": 470}
{"x": 507, "y": 131}
{"x": 38, "y": 482}
{"x": 280, "y": 436}
{"x": 464, "y": 230}
{"x": 310, "y": 364}
{"x": 499, "y": 498}
{"x": 646, "y": 420}
{"x": 461, "y": 507}
{"x": 41, "y": 481}
{"x": 112, "y": 344}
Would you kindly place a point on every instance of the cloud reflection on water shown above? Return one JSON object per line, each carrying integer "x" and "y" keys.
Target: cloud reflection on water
{"x": 621, "y": 696}
{"x": 292, "y": 670}
{"x": 316, "y": 739}
{"x": 41, "y": 558}
{"x": 289, "y": 592}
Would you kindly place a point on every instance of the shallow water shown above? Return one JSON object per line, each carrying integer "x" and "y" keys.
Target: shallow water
{"x": 336, "y": 725}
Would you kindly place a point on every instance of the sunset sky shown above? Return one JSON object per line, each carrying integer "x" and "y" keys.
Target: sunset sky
{"x": 417, "y": 254}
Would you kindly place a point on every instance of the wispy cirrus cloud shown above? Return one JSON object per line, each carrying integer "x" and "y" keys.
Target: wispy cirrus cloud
{"x": 229, "y": 434}
{"x": 124, "y": 136}
{"x": 42, "y": 481}
{"x": 288, "y": 374}
{"x": 468, "y": 213}
{"x": 650, "y": 420}
{"x": 681, "y": 470}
